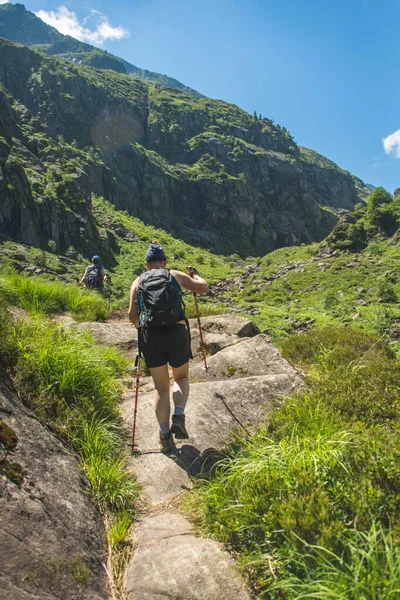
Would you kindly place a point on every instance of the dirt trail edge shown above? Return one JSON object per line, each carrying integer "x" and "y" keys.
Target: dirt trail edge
{"x": 247, "y": 377}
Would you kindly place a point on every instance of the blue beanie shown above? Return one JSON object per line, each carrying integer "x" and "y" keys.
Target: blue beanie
{"x": 155, "y": 253}
{"x": 96, "y": 260}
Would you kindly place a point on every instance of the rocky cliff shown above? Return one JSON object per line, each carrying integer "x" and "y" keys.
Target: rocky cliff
{"x": 203, "y": 169}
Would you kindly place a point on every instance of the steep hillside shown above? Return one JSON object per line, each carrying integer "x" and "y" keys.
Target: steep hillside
{"x": 20, "y": 25}
{"x": 204, "y": 170}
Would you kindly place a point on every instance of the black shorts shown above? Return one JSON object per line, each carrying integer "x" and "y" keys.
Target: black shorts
{"x": 164, "y": 345}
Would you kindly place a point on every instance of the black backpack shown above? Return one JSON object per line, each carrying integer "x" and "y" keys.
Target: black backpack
{"x": 93, "y": 278}
{"x": 159, "y": 299}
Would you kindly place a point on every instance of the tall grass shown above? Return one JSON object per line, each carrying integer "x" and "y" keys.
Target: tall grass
{"x": 40, "y": 296}
{"x": 65, "y": 373}
{"x": 104, "y": 463}
{"x": 287, "y": 499}
{"x": 367, "y": 569}
{"x": 100, "y": 444}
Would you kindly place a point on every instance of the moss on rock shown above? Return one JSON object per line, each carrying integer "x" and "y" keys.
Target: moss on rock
{"x": 8, "y": 437}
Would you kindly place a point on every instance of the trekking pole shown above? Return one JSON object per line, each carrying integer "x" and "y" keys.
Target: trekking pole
{"x": 137, "y": 365}
{"x": 191, "y": 271}
{"x": 222, "y": 398}
{"x": 108, "y": 281}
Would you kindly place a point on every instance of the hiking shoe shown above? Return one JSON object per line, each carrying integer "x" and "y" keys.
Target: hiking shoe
{"x": 166, "y": 442}
{"x": 178, "y": 427}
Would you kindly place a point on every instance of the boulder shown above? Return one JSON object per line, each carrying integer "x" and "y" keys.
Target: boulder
{"x": 219, "y": 332}
{"x": 254, "y": 356}
{"x": 52, "y": 537}
{"x": 228, "y": 324}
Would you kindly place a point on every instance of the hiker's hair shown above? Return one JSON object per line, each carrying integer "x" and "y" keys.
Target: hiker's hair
{"x": 156, "y": 242}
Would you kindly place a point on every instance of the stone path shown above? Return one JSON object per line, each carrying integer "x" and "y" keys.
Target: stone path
{"x": 247, "y": 376}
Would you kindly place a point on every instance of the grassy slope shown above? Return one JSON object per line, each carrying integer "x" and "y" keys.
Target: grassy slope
{"x": 295, "y": 286}
{"x": 292, "y": 289}
{"x": 310, "y": 502}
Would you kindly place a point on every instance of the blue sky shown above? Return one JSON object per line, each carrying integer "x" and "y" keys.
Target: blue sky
{"x": 327, "y": 70}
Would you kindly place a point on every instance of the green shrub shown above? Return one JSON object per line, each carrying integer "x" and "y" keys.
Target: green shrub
{"x": 374, "y": 248}
{"x": 350, "y": 360}
{"x": 330, "y": 300}
{"x": 337, "y": 345}
{"x": 386, "y": 291}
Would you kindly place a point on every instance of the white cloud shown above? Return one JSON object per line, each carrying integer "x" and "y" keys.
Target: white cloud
{"x": 3, "y": 1}
{"x": 66, "y": 22}
{"x": 391, "y": 143}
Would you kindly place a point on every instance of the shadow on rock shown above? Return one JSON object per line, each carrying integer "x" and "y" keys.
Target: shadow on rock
{"x": 196, "y": 463}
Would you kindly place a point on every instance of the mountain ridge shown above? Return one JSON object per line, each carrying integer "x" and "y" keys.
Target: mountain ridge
{"x": 22, "y": 26}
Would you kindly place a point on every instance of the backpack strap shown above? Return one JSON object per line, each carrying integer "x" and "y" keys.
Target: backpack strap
{"x": 179, "y": 289}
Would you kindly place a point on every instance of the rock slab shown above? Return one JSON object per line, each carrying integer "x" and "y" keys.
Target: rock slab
{"x": 52, "y": 537}
{"x": 200, "y": 569}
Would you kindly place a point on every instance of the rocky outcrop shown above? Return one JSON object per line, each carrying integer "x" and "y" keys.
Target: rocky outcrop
{"x": 52, "y": 537}
{"x": 219, "y": 332}
{"x": 29, "y": 211}
{"x": 116, "y": 333}
{"x": 202, "y": 169}
{"x": 251, "y": 357}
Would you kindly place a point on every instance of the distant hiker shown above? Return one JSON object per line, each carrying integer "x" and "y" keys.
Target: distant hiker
{"x": 156, "y": 309}
{"x": 94, "y": 276}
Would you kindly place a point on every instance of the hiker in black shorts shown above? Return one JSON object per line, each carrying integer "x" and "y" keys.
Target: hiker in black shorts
{"x": 156, "y": 309}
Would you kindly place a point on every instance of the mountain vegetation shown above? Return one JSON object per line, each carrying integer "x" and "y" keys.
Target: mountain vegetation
{"x": 204, "y": 170}
{"x": 380, "y": 216}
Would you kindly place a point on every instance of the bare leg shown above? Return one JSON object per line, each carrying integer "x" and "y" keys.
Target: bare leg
{"x": 180, "y": 391}
{"x": 160, "y": 377}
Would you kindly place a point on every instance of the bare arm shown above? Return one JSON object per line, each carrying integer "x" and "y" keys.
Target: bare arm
{"x": 195, "y": 284}
{"x": 133, "y": 312}
{"x": 83, "y": 278}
